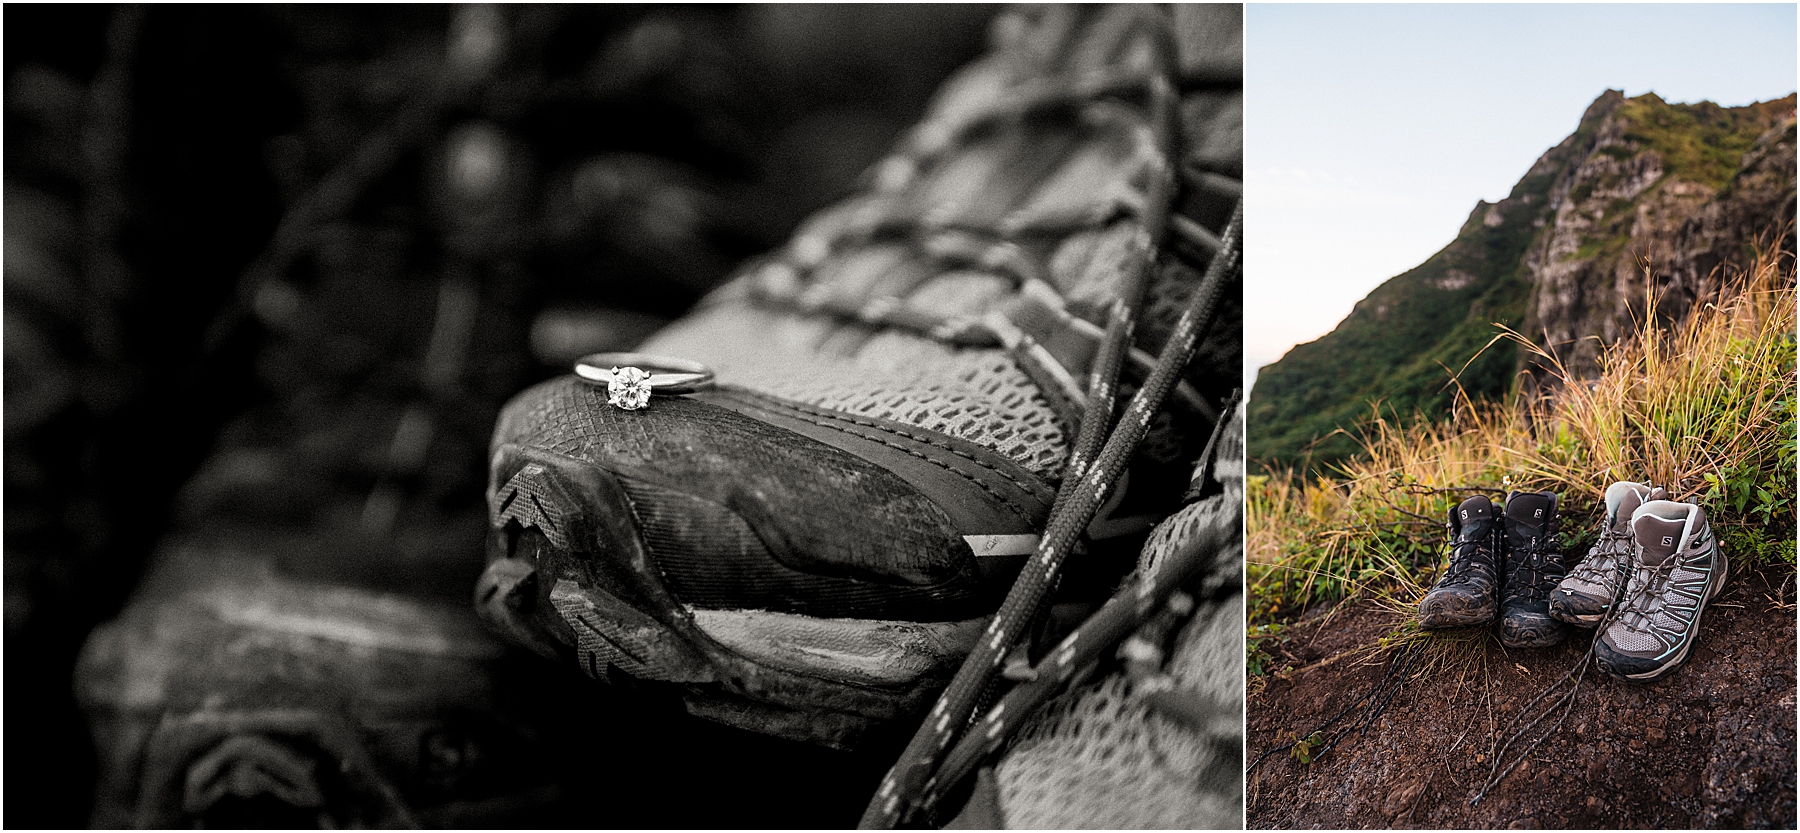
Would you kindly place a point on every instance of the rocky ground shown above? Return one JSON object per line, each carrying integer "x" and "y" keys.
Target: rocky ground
{"x": 1711, "y": 745}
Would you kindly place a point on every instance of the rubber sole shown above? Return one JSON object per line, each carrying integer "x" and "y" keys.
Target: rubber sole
{"x": 1449, "y": 610}
{"x": 1589, "y": 621}
{"x": 1532, "y": 631}
{"x": 1584, "y": 620}
{"x": 613, "y": 616}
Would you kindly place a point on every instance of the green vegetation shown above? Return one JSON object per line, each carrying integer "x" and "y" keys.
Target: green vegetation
{"x": 1701, "y": 142}
{"x": 1403, "y": 344}
{"x": 1404, "y": 352}
{"x": 1706, "y": 408}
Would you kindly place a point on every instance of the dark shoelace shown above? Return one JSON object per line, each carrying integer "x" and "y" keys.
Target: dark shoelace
{"x": 1081, "y": 495}
{"x": 1463, "y": 555}
{"x": 1535, "y": 574}
{"x": 1542, "y": 568}
{"x": 1097, "y": 461}
{"x": 1095, "y": 465}
{"x": 1619, "y": 612}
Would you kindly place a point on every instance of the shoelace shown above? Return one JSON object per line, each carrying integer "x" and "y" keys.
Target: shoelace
{"x": 1097, "y": 461}
{"x": 1620, "y": 611}
{"x": 1533, "y": 575}
{"x": 1603, "y": 559}
{"x": 1095, "y": 465}
{"x": 1082, "y": 492}
{"x": 1652, "y": 581}
{"x": 1462, "y": 558}
{"x": 781, "y": 280}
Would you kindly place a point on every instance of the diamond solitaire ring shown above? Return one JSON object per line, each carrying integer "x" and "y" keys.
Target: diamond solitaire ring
{"x": 631, "y": 378}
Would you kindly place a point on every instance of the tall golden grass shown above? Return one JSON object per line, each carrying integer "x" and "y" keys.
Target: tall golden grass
{"x": 1705, "y": 407}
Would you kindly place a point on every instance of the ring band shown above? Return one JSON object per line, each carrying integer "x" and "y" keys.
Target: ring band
{"x": 667, "y": 376}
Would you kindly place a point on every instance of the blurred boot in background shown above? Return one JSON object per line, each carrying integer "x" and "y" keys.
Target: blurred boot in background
{"x": 810, "y": 550}
{"x": 335, "y": 239}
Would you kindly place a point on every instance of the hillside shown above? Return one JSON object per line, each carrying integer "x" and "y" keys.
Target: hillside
{"x": 1689, "y": 186}
{"x": 1359, "y": 718}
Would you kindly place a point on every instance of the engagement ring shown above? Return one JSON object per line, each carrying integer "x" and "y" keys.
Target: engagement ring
{"x": 632, "y": 378}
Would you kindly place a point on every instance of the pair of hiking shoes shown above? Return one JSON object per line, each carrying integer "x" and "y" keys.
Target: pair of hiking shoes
{"x": 1516, "y": 540}
{"x": 1644, "y": 585}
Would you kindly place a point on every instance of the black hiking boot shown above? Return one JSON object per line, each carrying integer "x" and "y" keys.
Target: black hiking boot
{"x": 1534, "y": 567}
{"x": 1467, "y": 594}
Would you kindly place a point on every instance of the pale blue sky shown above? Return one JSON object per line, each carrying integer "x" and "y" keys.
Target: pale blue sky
{"x": 1371, "y": 130}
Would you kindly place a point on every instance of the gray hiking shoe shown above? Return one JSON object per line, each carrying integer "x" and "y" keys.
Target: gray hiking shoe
{"x": 1467, "y": 594}
{"x": 1585, "y": 596}
{"x": 1676, "y": 569}
{"x": 1534, "y": 568}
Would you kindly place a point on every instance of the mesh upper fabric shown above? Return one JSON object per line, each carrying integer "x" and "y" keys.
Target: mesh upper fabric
{"x": 1654, "y": 621}
{"x": 1098, "y": 758}
{"x": 1671, "y": 609}
{"x": 979, "y": 395}
{"x": 1598, "y": 573}
{"x": 1060, "y": 195}
{"x": 1630, "y": 639}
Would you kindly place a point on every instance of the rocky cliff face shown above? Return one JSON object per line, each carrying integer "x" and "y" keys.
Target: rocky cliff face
{"x": 1662, "y": 193}
{"x": 1642, "y": 191}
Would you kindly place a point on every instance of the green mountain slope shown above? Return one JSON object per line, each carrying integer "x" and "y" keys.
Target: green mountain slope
{"x": 1688, "y": 186}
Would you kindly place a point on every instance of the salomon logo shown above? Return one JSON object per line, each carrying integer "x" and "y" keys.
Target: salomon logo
{"x": 1667, "y": 539}
{"x": 1537, "y": 513}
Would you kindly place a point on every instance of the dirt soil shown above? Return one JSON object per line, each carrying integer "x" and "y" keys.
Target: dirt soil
{"x": 1710, "y": 745}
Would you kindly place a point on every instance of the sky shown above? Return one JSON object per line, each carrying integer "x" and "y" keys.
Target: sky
{"x": 1372, "y": 130}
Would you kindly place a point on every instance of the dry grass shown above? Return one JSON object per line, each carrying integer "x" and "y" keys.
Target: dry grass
{"x": 1705, "y": 407}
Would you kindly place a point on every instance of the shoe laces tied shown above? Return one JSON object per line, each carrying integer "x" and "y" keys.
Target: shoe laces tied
{"x": 1462, "y": 558}
{"x": 1603, "y": 560}
{"x": 1649, "y": 582}
{"x": 1532, "y": 572}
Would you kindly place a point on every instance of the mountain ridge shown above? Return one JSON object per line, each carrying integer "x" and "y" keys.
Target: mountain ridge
{"x": 1690, "y": 187}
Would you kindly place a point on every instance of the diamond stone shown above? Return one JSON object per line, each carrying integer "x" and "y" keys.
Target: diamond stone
{"x": 629, "y": 388}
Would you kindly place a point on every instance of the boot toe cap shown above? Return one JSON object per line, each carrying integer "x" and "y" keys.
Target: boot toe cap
{"x": 1456, "y": 607}
{"x": 1530, "y": 627}
{"x": 1577, "y": 608}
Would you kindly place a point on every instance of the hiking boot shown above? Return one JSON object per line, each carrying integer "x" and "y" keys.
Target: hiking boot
{"x": 1676, "y": 569}
{"x": 1584, "y": 597}
{"x": 1534, "y": 568}
{"x": 1467, "y": 593}
{"x": 810, "y": 549}
{"x": 233, "y": 693}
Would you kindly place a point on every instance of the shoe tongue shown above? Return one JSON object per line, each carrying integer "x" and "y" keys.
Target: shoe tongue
{"x": 1477, "y": 508}
{"x": 1627, "y": 505}
{"x": 1660, "y": 537}
{"x": 1530, "y": 509}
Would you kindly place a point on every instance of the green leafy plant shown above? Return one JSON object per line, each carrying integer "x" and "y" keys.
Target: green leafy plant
{"x": 1305, "y": 748}
{"x": 1257, "y": 659}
